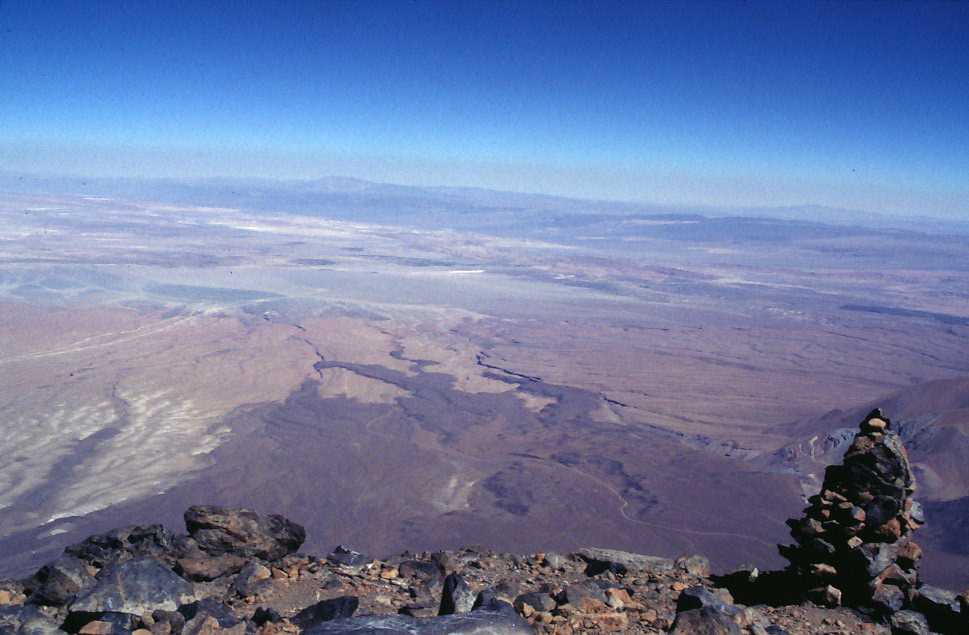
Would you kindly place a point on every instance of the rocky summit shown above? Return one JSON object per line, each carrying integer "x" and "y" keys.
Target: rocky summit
{"x": 854, "y": 569}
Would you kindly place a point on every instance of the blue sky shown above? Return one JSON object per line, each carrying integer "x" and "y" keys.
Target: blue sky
{"x": 845, "y": 104}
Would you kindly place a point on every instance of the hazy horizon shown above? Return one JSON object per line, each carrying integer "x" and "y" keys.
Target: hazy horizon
{"x": 854, "y": 106}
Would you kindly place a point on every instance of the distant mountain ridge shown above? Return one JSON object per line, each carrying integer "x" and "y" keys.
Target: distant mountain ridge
{"x": 299, "y": 194}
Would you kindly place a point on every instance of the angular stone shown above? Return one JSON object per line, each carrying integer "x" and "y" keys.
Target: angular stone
{"x": 126, "y": 543}
{"x": 704, "y": 621}
{"x": 457, "y": 596}
{"x": 418, "y": 570}
{"x": 325, "y": 611}
{"x": 347, "y": 556}
{"x": 57, "y": 583}
{"x": 203, "y": 568}
{"x": 208, "y": 609}
{"x": 475, "y": 623}
{"x": 909, "y": 623}
{"x": 700, "y": 596}
{"x": 30, "y": 620}
{"x": 242, "y": 532}
{"x": 137, "y": 587}
{"x": 602, "y": 560}
{"x": 253, "y": 578}
{"x": 909, "y": 555}
{"x": 694, "y": 565}
{"x": 582, "y": 594}
{"x": 887, "y": 598}
{"x": 537, "y": 600}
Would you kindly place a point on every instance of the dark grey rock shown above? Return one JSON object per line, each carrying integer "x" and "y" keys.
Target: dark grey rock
{"x": 119, "y": 623}
{"x": 174, "y": 619}
{"x": 694, "y": 565}
{"x": 476, "y": 623}
{"x": 135, "y": 586}
{"x": 909, "y": 623}
{"x": 242, "y": 532}
{"x": 419, "y": 570}
{"x": 700, "y": 596}
{"x": 704, "y": 621}
{"x": 127, "y": 543}
{"x": 326, "y": 610}
{"x": 457, "y": 596}
{"x": 601, "y": 560}
{"x": 489, "y": 600}
{"x": 253, "y": 578}
{"x": 265, "y": 615}
{"x": 203, "y": 567}
{"x": 580, "y": 592}
{"x": 537, "y": 600}
{"x": 887, "y": 598}
{"x": 347, "y": 556}
{"x": 198, "y": 612}
{"x": 31, "y": 620}
{"x": 59, "y": 582}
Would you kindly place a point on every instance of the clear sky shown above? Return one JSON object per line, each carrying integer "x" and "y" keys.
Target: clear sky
{"x": 845, "y": 104}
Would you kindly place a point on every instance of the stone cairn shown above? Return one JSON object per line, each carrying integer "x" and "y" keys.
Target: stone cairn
{"x": 854, "y": 543}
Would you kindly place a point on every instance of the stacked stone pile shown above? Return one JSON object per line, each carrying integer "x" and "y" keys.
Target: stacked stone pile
{"x": 854, "y": 542}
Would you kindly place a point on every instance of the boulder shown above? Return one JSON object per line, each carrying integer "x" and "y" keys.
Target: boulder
{"x": 137, "y": 587}
{"x": 111, "y": 624}
{"x": 265, "y": 615}
{"x": 200, "y": 614}
{"x": 326, "y": 610}
{"x": 909, "y": 623}
{"x": 127, "y": 543}
{"x": 457, "y": 596}
{"x": 584, "y": 596}
{"x": 204, "y": 568}
{"x": 698, "y": 596}
{"x": 491, "y": 600}
{"x": 347, "y": 556}
{"x": 620, "y": 562}
{"x": 419, "y": 570}
{"x": 475, "y": 623}
{"x": 537, "y": 600}
{"x": 31, "y": 620}
{"x": 242, "y": 532}
{"x": 694, "y": 565}
{"x": 704, "y": 621}
{"x": 57, "y": 583}
{"x": 254, "y": 578}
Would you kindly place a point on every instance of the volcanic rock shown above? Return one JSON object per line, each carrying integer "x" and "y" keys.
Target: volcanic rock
{"x": 476, "y": 623}
{"x": 326, "y": 610}
{"x": 118, "y": 545}
{"x": 137, "y": 587}
{"x": 57, "y": 583}
{"x": 242, "y": 532}
{"x": 704, "y": 621}
{"x": 457, "y": 596}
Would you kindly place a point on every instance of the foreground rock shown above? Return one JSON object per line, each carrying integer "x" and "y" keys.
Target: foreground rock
{"x": 476, "y": 623}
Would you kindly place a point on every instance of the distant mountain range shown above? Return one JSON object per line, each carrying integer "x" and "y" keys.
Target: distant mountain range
{"x": 387, "y": 202}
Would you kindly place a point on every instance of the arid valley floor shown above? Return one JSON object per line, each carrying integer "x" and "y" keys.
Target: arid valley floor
{"x": 659, "y": 382}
